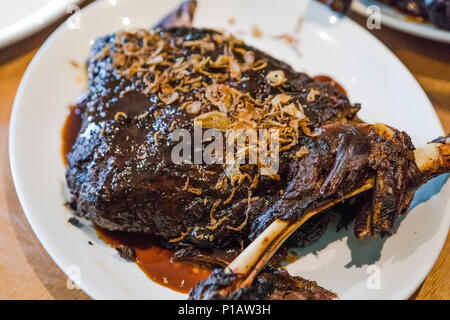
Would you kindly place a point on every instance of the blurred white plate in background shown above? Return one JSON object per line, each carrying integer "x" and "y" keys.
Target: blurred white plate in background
{"x": 21, "y": 18}
{"x": 397, "y": 20}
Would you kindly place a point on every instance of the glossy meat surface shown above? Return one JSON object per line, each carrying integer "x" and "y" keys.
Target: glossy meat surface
{"x": 122, "y": 177}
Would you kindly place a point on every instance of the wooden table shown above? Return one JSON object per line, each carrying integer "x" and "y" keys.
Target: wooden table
{"x": 27, "y": 271}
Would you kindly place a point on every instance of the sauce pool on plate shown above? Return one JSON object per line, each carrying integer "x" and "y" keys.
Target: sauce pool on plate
{"x": 334, "y": 83}
{"x": 155, "y": 261}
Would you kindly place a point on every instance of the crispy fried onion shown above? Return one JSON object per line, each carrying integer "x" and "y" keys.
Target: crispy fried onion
{"x": 213, "y": 120}
{"x": 249, "y": 205}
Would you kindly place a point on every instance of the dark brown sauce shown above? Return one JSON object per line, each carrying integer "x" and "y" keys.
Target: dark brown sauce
{"x": 70, "y": 130}
{"x": 157, "y": 262}
{"x": 334, "y": 83}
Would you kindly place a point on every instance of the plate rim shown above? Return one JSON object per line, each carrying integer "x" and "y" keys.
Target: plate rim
{"x": 27, "y": 26}
{"x": 61, "y": 260}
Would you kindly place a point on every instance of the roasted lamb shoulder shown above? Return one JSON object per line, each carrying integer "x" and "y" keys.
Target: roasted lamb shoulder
{"x": 143, "y": 86}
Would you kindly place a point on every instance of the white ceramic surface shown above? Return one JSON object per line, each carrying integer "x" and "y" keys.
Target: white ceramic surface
{"x": 21, "y": 18}
{"x": 330, "y": 45}
{"x": 397, "y": 20}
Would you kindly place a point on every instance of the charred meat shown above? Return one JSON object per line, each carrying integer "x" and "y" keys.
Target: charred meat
{"x": 271, "y": 284}
{"x": 142, "y": 87}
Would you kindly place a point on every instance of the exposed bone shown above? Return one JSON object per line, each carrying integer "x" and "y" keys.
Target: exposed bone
{"x": 433, "y": 159}
{"x": 269, "y": 240}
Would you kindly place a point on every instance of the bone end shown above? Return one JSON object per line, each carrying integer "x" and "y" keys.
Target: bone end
{"x": 434, "y": 158}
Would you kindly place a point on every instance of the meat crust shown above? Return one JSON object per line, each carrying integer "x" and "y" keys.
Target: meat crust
{"x": 123, "y": 179}
{"x": 270, "y": 284}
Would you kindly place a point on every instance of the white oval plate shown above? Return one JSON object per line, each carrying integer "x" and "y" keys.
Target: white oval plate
{"x": 21, "y": 18}
{"x": 329, "y": 45}
{"x": 397, "y": 20}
